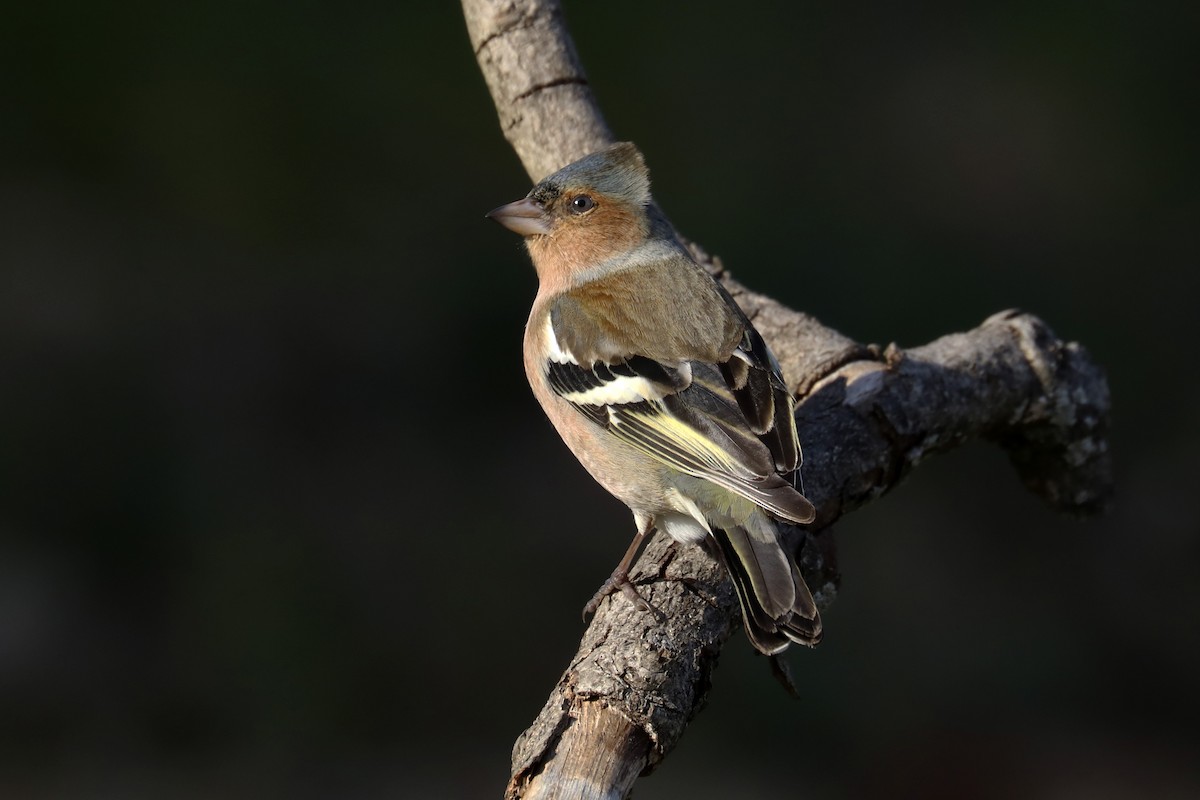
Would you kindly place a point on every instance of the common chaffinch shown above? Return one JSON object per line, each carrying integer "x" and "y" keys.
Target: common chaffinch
{"x": 661, "y": 387}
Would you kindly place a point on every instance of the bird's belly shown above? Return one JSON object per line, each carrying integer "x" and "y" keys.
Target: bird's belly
{"x": 631, "y": 476}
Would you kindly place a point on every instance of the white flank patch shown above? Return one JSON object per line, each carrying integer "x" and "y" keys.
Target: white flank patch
{"x": 689, "y": 507}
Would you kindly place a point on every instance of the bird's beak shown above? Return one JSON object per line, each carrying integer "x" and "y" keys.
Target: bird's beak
{"x": 524, "y": 217}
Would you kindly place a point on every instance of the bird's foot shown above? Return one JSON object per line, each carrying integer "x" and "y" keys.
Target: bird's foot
{"x": 618, "y": 581}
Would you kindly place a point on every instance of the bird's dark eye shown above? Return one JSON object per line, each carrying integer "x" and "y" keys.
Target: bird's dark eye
{"x": 581, "y": 204}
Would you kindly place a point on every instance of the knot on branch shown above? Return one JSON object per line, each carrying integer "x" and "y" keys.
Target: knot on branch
{"x": 1058, "y": 441}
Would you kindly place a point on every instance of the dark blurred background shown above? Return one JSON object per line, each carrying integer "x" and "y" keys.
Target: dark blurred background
{"x": 276, "y": 504}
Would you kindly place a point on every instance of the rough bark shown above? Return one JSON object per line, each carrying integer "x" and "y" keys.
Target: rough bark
{"x": 866, "y": 416}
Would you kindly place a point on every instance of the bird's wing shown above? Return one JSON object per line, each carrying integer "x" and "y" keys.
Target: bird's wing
{"x": 722, "y": 416}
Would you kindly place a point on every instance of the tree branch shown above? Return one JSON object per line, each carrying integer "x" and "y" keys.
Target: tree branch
{"x": 866, "y": 416}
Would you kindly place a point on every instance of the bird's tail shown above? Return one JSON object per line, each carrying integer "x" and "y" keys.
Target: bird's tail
{"x": 777, "y": 607}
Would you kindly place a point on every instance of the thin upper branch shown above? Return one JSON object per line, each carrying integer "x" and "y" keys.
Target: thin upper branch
{"x": 866, "y": 416}
{"x": 527, "y": 57}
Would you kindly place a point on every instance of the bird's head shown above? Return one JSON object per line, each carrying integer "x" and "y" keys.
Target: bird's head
{"x": 584, "y": 215}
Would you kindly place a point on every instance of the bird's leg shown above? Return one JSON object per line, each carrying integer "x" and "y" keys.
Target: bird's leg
{"x": 620, "y": 577}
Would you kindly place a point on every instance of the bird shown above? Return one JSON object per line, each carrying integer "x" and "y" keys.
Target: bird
{"x": 659, "y": 384}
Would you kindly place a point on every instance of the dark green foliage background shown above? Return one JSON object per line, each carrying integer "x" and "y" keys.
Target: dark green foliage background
{"x": 279, "y": 517}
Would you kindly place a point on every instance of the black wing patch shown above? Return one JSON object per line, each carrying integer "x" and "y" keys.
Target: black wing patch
{"x": 571, "y": 378}
{"x": 730, "y": 423}
{"x": 753, "y": 377}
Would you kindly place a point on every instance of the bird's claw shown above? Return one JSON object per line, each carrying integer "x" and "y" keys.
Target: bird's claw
{"x": 618, "y": 581}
